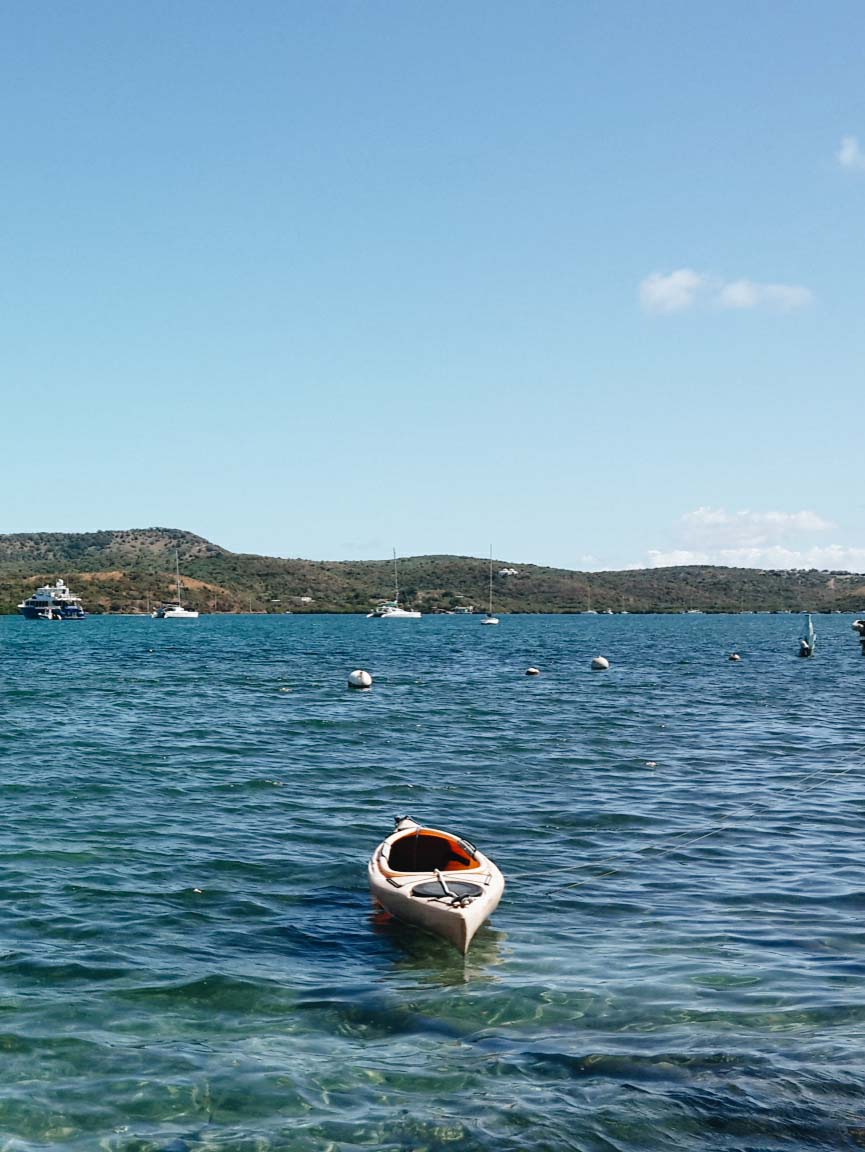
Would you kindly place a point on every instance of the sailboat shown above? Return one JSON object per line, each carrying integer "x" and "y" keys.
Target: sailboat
{"x": 808, "y": 638}
{"x": 175, "y": 610}
{"x": 390, "y": 609}
{"x": 489, "y": 618}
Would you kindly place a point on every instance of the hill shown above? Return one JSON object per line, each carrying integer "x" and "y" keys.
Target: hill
{"x": 127, "y": 570}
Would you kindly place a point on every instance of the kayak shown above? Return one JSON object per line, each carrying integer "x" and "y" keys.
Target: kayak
{"x": 435, "y": 880}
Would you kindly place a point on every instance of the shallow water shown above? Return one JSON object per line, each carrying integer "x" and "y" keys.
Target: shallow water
{"x": 189, "y": 958}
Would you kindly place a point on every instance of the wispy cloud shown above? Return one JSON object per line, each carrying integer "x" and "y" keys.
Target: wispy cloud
{"x": 675, "y": 292}
{"x": 684, "y": 289}
{"x": 747, "y": 294}
{"x": 833, "y": 556}
{"x": 850, "y": 154}
{"x": 748, "y": 539}
{"x": 748, "y": 529}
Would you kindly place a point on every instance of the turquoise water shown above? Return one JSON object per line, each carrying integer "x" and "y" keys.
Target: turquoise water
{"x": 189, "y": 958}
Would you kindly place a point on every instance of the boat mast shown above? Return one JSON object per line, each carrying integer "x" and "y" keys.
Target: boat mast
{"x": 177, "y": 568}
{"x": 395, "y": 581}
{"x": 490, "y": 609}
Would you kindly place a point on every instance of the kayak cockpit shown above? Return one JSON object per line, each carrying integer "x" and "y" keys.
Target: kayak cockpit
{"x": 425, "y": 850}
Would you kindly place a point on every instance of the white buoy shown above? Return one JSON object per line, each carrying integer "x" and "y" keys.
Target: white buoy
{"x": 599, "y": 663}
{"x": 359, "y": 679}
{"x": 533, "y": 671}
{"x": 735, "y": 656}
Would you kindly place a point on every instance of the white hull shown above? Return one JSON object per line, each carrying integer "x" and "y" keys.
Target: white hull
{"x": 435, "y": 910}
{"x": 175, "y": 611}
{"x": 52, "y": 602}
{"x": 390, "y": 609}
{"x": 393, "y": 614}
{"x": 489, "y": 618}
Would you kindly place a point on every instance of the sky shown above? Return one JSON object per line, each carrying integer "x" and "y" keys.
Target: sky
{"x": 580, "y": 282}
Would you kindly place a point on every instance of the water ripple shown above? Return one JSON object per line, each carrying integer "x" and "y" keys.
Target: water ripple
{"x": 190, "y": 959}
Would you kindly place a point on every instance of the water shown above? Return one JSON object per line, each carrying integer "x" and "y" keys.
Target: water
{"x": 189, "y": 958}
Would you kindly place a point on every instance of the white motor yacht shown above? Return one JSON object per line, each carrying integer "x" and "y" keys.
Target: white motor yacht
{"x": 52, "y": 602}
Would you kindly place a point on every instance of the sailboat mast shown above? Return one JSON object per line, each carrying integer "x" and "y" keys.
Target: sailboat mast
{"x": 490, "y": 609}
{"x": 395, "y": 580}
{"x": 177, "y": 569}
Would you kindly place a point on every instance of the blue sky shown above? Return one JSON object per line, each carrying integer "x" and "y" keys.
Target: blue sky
{"x": 583, "y": 281}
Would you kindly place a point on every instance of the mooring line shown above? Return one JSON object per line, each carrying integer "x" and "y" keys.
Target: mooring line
{"x": 820, "y": 776}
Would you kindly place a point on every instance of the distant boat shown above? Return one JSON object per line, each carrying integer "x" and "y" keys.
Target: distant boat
{"x": 808, "y": 638}
{"x": 52, "y": 602}
{"x": 489, "y": 618}
{"x": 175, "y": 610}
{"x": 390, "y": 609}
{"x": 436, "y": 881}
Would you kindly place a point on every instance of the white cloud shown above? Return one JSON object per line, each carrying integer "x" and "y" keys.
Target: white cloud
{"x": 684, "y": 289}
{"x": 747, "y": 294}
{"x": 673, "y": 293}
{"x": 739, "y": 294}
{"x": 850, "y": 155}
{"x": 748, "y": 539}
{"x": 747, "y": 529}
{"x": 675, "y": 558}
{"x": 833, "y": 556}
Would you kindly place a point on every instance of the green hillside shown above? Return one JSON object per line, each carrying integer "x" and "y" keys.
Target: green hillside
{"x": 125, "y": 571}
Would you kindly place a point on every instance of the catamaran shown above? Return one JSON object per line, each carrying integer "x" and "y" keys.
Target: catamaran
{"x": 390, "y": 609}
{"x": 175, "y": 610}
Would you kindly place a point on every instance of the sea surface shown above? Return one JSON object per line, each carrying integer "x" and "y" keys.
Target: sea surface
{"x": 189, "y": 958}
